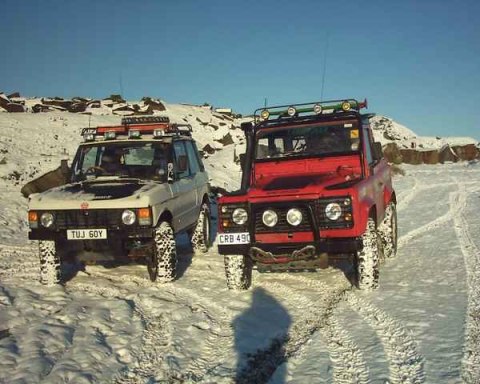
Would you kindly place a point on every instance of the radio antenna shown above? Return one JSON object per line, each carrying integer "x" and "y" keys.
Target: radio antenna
{"x": 120, "y": 81}
{"x": 324, "y": 66}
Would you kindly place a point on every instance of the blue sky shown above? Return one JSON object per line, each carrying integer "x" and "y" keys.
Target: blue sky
{"x": 417, "y": 62}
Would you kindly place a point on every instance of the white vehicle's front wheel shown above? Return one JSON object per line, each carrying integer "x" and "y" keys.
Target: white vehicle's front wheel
{"x": 238, "y": 271}
{"x": 201, "y": 233}
{"x": 50, "y": 267}
{"x": 367, "y": 260}
{"x": 162, "y": 267}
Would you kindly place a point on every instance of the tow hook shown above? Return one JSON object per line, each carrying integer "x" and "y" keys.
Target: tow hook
{"x": 262, "y": 256}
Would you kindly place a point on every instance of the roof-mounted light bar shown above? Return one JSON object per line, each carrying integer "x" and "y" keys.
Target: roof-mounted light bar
{"x": 136, "y": 127}
{"x": 315, "y": 108}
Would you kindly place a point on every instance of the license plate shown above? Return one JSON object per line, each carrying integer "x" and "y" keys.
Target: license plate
{"x": 86, "y": 234}
{"x": 233, "y": 238}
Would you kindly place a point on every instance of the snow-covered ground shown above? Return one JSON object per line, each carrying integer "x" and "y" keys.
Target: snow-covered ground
{"x": 112, "y": 325}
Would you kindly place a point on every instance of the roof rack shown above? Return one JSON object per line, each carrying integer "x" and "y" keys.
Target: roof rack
{"x": 144, "y": 120}
{"x": 309, "y": 109}
{"x": 136, "y": 127}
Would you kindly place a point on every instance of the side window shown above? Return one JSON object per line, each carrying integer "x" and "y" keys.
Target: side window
{"x": 192, "y": 158}
{"x": 197, "y": 155}
{"x": 181, "y": 159}
{"x": 90, "y": 158}
{"x": 368, "y": 146}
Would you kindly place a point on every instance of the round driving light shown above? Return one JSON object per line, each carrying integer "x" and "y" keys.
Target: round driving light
{"x": 46, "y": 219}
{"x": 317, "y": 109}
{"x": 294, "y": 217}
{"x": 128, "y": 217}
{"x": 239, "y": 216}
{"x": 270, "y": 218}
{"x": 333, "y": 211}
{"x": 291, "y": 111}
{"x": 346, "y": 106}
{"x": 224, "y": 209}
{"x": 265, "y": 114}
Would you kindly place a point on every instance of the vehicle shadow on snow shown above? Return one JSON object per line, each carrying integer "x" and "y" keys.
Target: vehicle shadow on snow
{"x": 261, "y": 333}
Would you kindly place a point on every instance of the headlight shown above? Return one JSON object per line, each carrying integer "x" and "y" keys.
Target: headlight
{"x": 270, "y": 218}
{"x": 291, "y": 111}
{"x": 128, "y": 217}
{"x": 239, "y": 216}
{"x": 46, "y": 219}
{"x": 294, "y": 217}
{"x": 333, "y": 211}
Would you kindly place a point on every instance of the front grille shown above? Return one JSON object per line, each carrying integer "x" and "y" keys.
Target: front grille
{"x": 94, "y": 218}
{"x": 282, "y": 225}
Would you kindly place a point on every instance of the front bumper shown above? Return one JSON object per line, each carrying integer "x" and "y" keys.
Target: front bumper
{"x": 294, "y": 251}
{"x": 124, "y": 233}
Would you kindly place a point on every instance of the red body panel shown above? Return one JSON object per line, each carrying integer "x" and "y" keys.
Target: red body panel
{"x": 286, "y": 183}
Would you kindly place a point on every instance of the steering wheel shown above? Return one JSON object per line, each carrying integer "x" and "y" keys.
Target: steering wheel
{"x": 94, "y": 169}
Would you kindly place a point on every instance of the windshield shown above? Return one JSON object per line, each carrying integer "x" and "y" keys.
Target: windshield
{"x": 312, "y": 140}
{"x": 144, "y": 160}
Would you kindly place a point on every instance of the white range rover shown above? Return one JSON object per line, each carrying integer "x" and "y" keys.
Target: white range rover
{"x": 131, "y": 189}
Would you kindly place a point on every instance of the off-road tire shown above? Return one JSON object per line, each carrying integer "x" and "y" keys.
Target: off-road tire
{"x": 165, "y": 256}
{"x": 388, "y": 231}
{"x": 238, "y": 271}
{"x": 50, "y": 267}
{"x": 201, "y": 234}
{"x": 368, "y": 258}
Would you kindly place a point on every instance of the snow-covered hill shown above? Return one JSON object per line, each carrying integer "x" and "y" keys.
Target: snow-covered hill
{"x": 387, "y": 131}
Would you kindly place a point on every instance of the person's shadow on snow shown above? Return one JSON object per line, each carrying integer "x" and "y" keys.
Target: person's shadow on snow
{"x": 261, "y": 333}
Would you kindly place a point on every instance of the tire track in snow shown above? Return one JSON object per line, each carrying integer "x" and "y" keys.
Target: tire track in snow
{"x": 471, "y": 254}
{"x": 219, "y": 336}
{"x": 156, "y": 338}
{"x": 405, "y": 199}
{"x": 18, "y": 262}
{"x": 405, "y": 363}
{"x": 347, "y": 360}
{"x": 438, "y": 222}
{"x": 41, "y": 333}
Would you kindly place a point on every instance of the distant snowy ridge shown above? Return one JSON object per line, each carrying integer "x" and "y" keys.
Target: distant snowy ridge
{"x": 33, "y": 143}
{"x": 387, "y": 131}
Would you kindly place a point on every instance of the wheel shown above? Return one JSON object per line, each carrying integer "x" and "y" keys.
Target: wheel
{"x": 238, "y": 270}
{"x": 163, "y": 264}
{"x": 50, "y": 271}
{"x": 201, "y": 234}
{"x": 367, "y": 260}
{"x": 388, "y": 231}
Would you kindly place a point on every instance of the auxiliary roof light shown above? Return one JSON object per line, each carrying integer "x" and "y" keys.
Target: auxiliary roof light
{"x": 317, "y": 109}
{"x": 291, "y": 111}
{"x": 158, "y": 133}
{"x": 89, "y": 137}
{"x": 134, "y": 134}
{"x": 110, "y": 135}
{"x": 346, "y": 106}
{"x": 265, "y": 114}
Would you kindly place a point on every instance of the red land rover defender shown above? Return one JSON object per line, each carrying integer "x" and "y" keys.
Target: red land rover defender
{"x": 315, "y": 187}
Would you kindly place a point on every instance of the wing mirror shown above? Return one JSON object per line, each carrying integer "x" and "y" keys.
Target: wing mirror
{"x": 377, "y": 151}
